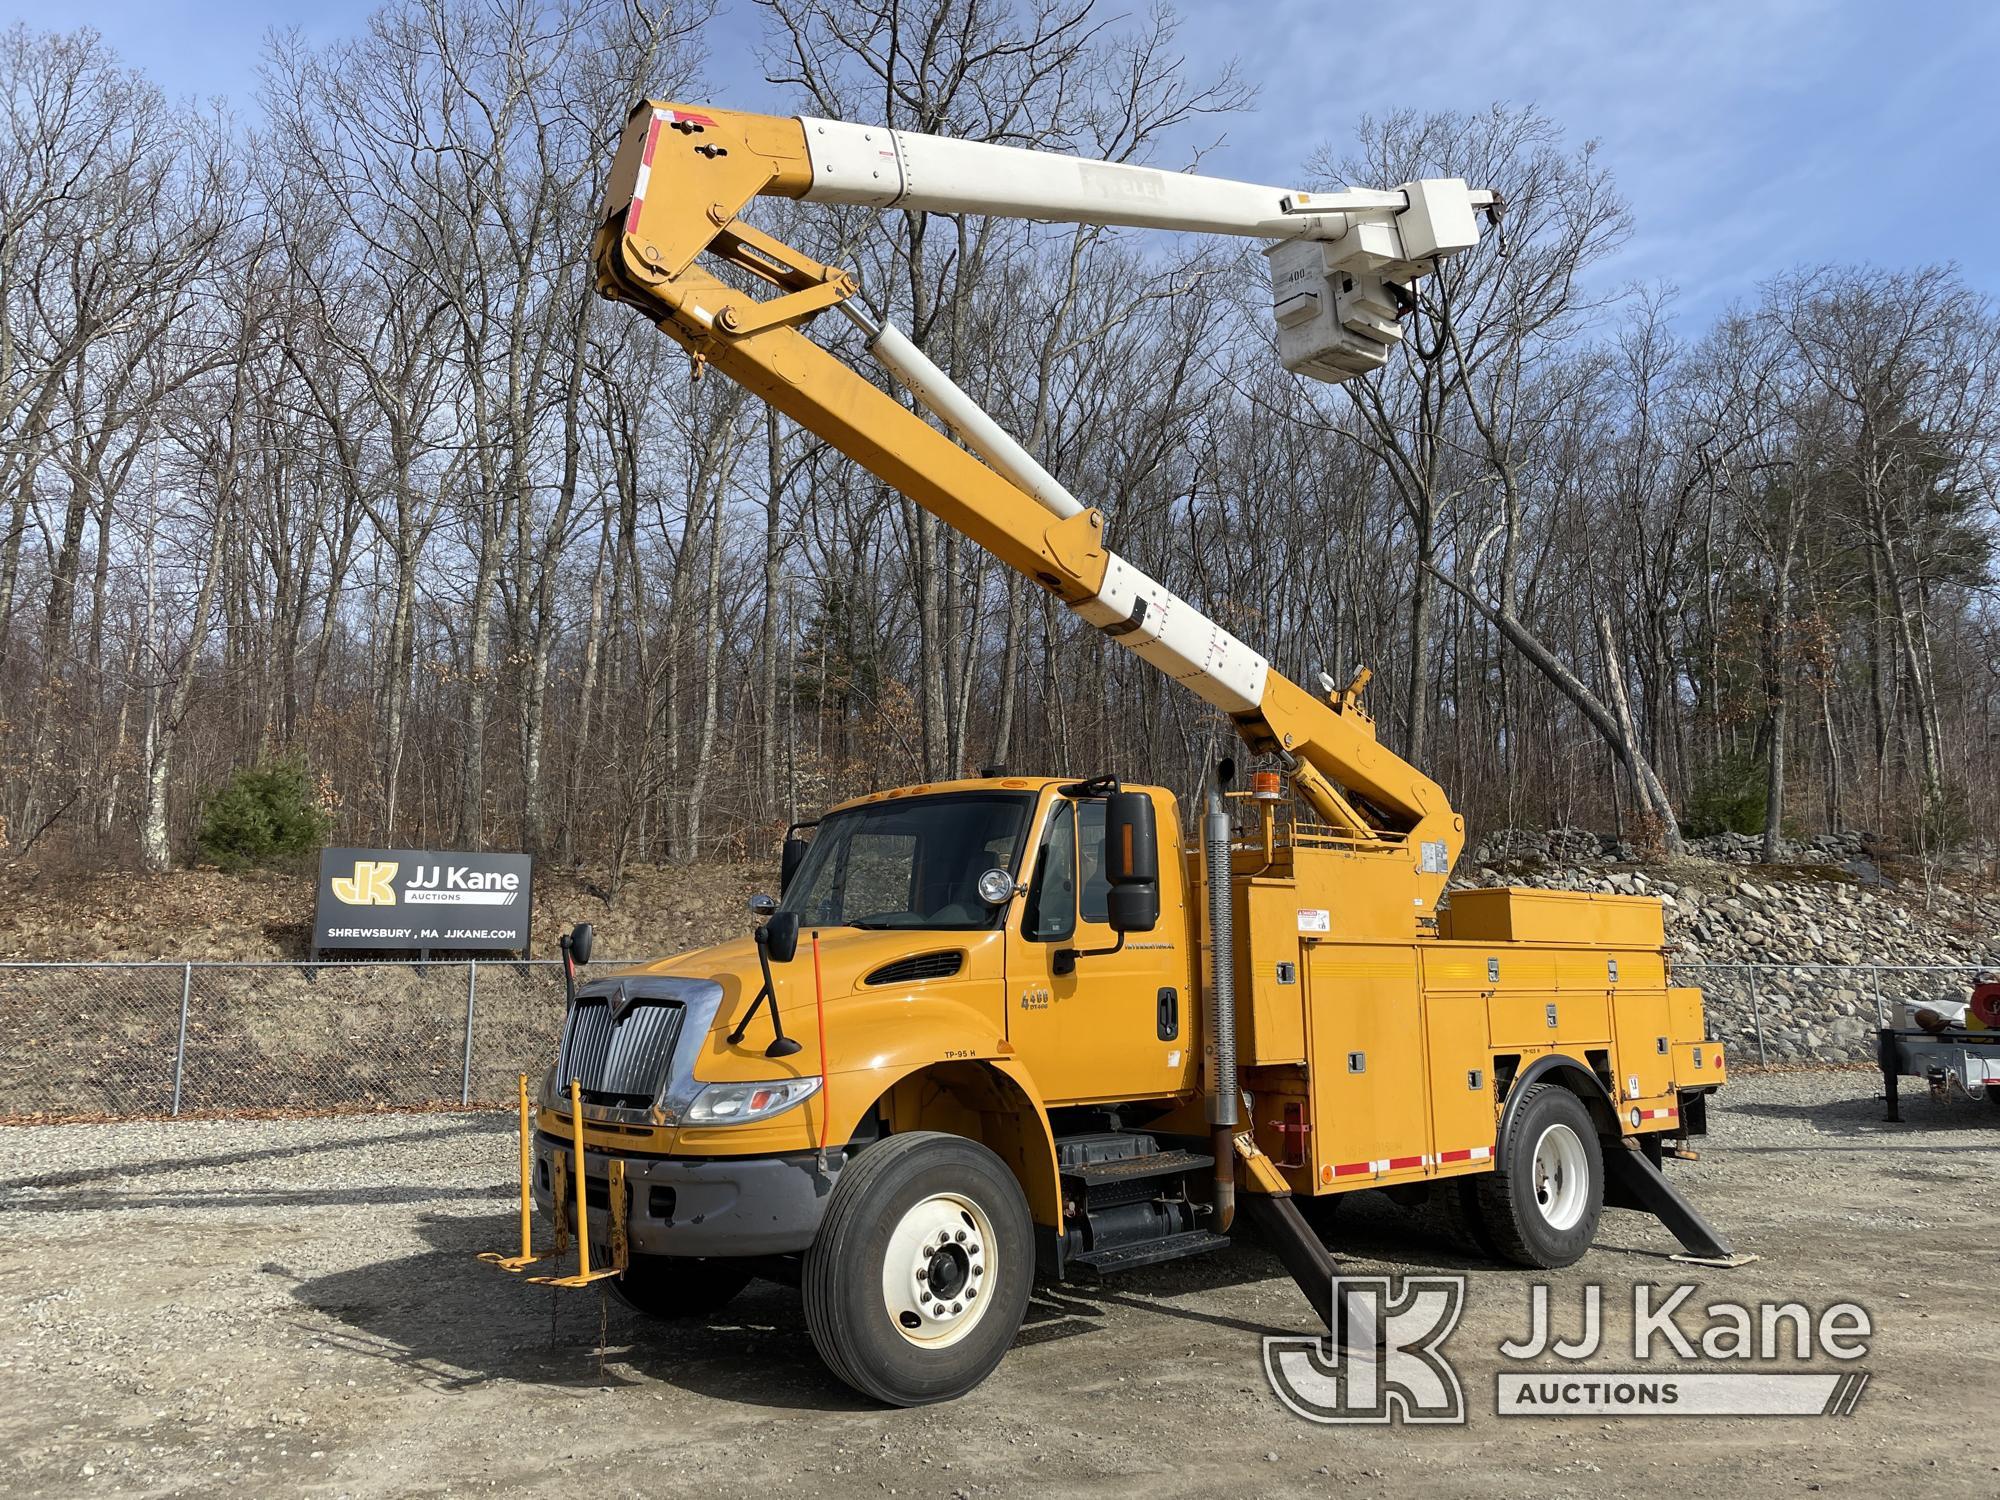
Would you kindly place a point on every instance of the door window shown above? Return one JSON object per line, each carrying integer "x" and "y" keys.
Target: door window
{"x": 1052, "y": 897}
{"x": 1095, "y": 885}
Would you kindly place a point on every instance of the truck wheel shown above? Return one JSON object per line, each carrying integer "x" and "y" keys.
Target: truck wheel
{"x": 1541, "y": 1206}
{"x": 679, "y": 1286}
{"x": 918, "y": 1279}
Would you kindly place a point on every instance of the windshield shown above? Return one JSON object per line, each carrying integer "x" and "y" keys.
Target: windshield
{"x": 910, "y": 863}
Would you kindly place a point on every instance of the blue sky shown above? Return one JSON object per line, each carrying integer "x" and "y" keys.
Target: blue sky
{"x": 1747, "y": 136}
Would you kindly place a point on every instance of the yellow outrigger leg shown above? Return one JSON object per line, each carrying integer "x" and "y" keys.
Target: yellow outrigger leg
{"x": 527, "y": 1257}
{"x": 615, "y": 1203}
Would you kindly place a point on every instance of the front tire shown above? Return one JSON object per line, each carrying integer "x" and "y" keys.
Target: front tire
{"x": 678, "y": 1287}
{"x": 1541, "y": 1206}
{"x": 919, "y": 1277}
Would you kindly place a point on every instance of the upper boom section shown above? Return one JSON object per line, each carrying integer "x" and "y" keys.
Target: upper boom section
{"x": 902, "y": 169}
{"x": 1341, "y": 266}
{"x": 1340, "y": 275}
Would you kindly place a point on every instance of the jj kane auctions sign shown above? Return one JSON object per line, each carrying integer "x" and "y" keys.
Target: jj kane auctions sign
{"x": 421, "y": 898}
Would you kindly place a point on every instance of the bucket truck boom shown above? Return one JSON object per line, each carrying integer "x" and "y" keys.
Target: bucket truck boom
{"x": 1341, "y": 267}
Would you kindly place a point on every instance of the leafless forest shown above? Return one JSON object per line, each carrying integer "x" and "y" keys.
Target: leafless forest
{"x": 315, "y": 441}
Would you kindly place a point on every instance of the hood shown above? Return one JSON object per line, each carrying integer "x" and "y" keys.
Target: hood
{"x": 858, "y": 970}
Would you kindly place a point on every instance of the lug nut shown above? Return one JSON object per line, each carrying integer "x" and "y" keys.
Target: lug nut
{"x": 960, "y": 1236}
{"x": 979, "y": 1270}
{"x": 958, "y": 1307}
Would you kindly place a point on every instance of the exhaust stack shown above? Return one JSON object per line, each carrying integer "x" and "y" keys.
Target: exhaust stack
{"x": 1220, "y": 1006}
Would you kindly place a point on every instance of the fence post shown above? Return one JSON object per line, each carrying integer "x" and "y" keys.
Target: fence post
{"x": 471, "y": 989}
{"x": 1757, "y": 1018}
{"x": 181, "y": 1042}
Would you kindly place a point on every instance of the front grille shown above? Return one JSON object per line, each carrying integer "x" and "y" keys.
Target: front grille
{"x": 621, "y": 1061}
{"x": 922, "y": 966}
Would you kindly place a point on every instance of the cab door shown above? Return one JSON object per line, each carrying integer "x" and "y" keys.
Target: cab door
{"x": 1094, "y": 1019}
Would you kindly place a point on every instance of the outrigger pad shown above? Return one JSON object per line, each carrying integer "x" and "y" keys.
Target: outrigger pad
{"x": 1632, "y": 1181}
{"x": 514, "y": 1263}
{"x": 1725, "y": 1262}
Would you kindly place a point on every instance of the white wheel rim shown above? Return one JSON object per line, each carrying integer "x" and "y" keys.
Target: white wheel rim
{"x": 1561, "y": 1177}
{"x": 938, "y": 1273}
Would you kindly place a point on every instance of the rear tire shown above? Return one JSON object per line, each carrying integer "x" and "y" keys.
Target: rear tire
{"x": 1541, "y": 1206}
{"x": 676, "y": 1287}
{"x": 919, "y": 1277}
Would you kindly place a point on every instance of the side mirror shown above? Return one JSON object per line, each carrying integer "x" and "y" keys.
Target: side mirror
{"x": 779, "y": 937}
{"x": 762, "y": 906}
{"x": 789, "y": 861}
{"x": 579, "y": 943}
{"x": 1131, "y": 862}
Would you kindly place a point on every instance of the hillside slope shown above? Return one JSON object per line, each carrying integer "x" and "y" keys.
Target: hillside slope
{"x": 266, "y": 916}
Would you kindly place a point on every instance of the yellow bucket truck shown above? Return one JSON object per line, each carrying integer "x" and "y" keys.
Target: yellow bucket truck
{"x": 1021, "y": 1026}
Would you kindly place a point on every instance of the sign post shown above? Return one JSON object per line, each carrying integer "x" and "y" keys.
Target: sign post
{"x": 422, "y": 900}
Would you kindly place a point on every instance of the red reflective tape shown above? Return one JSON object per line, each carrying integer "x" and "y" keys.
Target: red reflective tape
{"x": 1402, "y": 1163}
{"x": 1352, "y": 1168}
{"x": 641, "y": 178}
{"x": 683, "y": 117}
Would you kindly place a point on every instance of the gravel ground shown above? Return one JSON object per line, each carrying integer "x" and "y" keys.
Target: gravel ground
{"x": 277, "y": 1307}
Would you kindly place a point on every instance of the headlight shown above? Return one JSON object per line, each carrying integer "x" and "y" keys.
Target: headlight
{"x": 734, "y": 1103}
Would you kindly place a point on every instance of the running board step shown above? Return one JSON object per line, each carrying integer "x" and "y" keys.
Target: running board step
{"x": 1137, "y": 1168}
{"x": 1146, "y": 1252}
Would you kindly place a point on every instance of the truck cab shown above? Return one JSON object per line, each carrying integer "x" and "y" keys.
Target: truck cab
{"x": 956, "y": 964}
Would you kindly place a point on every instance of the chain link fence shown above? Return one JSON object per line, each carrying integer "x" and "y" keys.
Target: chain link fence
{"x": 1774, "y": 1013}
{"x": 115, "y": 1041}
{"x": 112, "y": 1041}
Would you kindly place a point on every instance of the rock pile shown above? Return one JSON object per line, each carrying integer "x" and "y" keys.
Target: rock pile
{"x": 1811, "y": 952}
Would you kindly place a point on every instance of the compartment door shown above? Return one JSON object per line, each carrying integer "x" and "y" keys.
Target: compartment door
{"x": 1370, "y": 1070}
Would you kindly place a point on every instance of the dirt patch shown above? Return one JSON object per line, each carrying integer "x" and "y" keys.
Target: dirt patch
{"x": 292, "y": 1307}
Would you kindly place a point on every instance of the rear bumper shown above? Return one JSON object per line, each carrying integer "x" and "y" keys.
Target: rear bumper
{"x": 709, "y": 1206}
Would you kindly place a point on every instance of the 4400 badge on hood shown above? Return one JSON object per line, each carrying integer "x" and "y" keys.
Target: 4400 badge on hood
{"x": 423, "y": 899}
